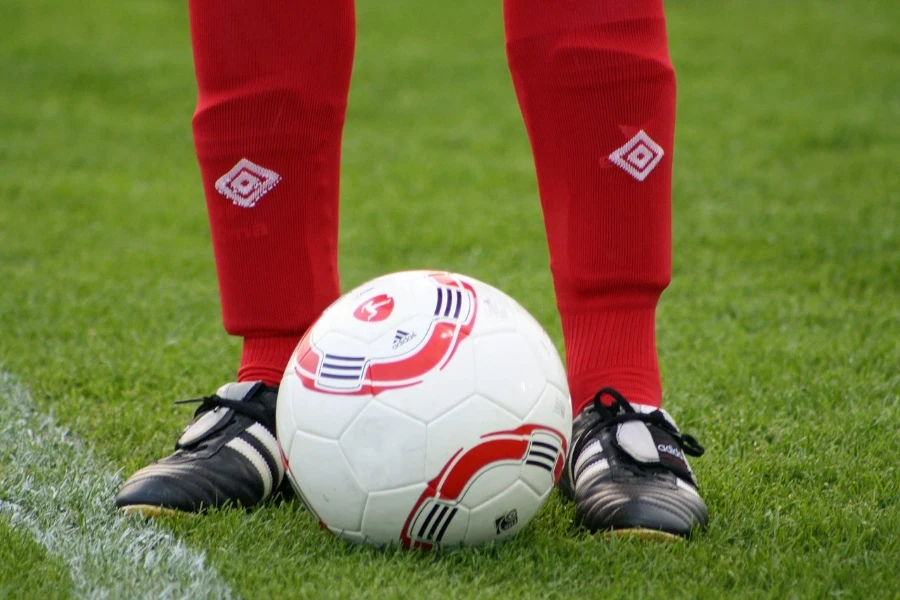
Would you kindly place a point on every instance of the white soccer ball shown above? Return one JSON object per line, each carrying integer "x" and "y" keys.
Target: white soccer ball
{"x": 424, "y": 410}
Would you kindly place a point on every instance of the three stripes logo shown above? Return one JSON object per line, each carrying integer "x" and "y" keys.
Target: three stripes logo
{"x": 543, "y": 452}
{"x": 435, "y": 517}
{"x": 532, "y": 446}
{"x": 342, "y": 372}
{"x": 451, "y": 302}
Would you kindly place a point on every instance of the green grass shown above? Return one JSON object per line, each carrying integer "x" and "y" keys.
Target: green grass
{"x": 26, "y": 570}
{"x": 778, "y": 337}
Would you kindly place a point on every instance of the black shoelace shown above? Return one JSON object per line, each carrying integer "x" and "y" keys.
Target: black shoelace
{"x": 255, "y": 410}
{"x": 621, "y": 411}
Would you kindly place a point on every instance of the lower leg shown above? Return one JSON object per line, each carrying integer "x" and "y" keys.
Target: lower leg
{"x": 597, "y": 92}
{"x": 273, "y": 79}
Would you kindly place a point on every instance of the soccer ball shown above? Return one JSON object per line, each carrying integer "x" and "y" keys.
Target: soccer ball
{"x": 424, "y": 410}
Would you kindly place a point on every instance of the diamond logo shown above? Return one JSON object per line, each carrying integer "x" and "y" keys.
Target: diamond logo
{"x": 246, "y": 183}
{"x": 639, "y": 156}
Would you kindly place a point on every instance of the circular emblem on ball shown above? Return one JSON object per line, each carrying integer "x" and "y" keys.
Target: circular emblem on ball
{"x": 375, "y": 309}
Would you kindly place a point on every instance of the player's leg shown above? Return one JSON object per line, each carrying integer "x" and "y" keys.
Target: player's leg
{"x": 273, "y": 79}
{"x": 597, "y": 92}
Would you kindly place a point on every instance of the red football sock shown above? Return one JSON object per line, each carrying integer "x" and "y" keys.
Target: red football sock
{"x": 597, "y": 93}
{"x": 273, "y": 79}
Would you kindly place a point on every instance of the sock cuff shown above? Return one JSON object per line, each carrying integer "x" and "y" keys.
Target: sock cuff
{"x": 613, "y": 337}
{"x": 639, "y": 386}
{"x": 614, "y": 348}
{"x": 526, "y": 19}
{"x": 265, "y": 358}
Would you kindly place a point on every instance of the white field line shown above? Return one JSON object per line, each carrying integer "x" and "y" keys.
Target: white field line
{"x": 53, "y": 486}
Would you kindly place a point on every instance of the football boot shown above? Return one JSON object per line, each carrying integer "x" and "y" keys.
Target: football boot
{"x": 628, "y": 474}
{"x": 227, "y": 455}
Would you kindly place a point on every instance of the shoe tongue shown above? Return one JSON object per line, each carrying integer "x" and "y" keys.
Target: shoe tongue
{"x": 213, "y": 420}
{"x": 235, "y": 391}
{"x": 636, "y": 440}
{"x": 203, "y": 425}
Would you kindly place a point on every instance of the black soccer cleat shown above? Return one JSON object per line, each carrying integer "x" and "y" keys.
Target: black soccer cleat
{"x": 627, "y": 472}
{"x": 227, "y": 455}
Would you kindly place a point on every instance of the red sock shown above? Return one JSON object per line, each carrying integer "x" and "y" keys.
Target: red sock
{"x": 591, "y": 76}
{"x": 273, "y": 79}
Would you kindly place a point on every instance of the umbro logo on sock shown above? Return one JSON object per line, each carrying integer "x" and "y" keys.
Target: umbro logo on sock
{"x": 639, "y": 156}
{"x": 246, "y": 183}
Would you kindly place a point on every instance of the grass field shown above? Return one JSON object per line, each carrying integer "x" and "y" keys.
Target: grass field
{"x": 778, "y": 336}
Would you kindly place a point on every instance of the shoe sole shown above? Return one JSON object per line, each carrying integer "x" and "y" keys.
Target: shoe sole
{"x": 653, "y": 535}
{"x": 149, "y": 511}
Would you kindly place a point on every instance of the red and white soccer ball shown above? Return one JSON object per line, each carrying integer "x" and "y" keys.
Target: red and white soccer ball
{"x": 424, "y": 410}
